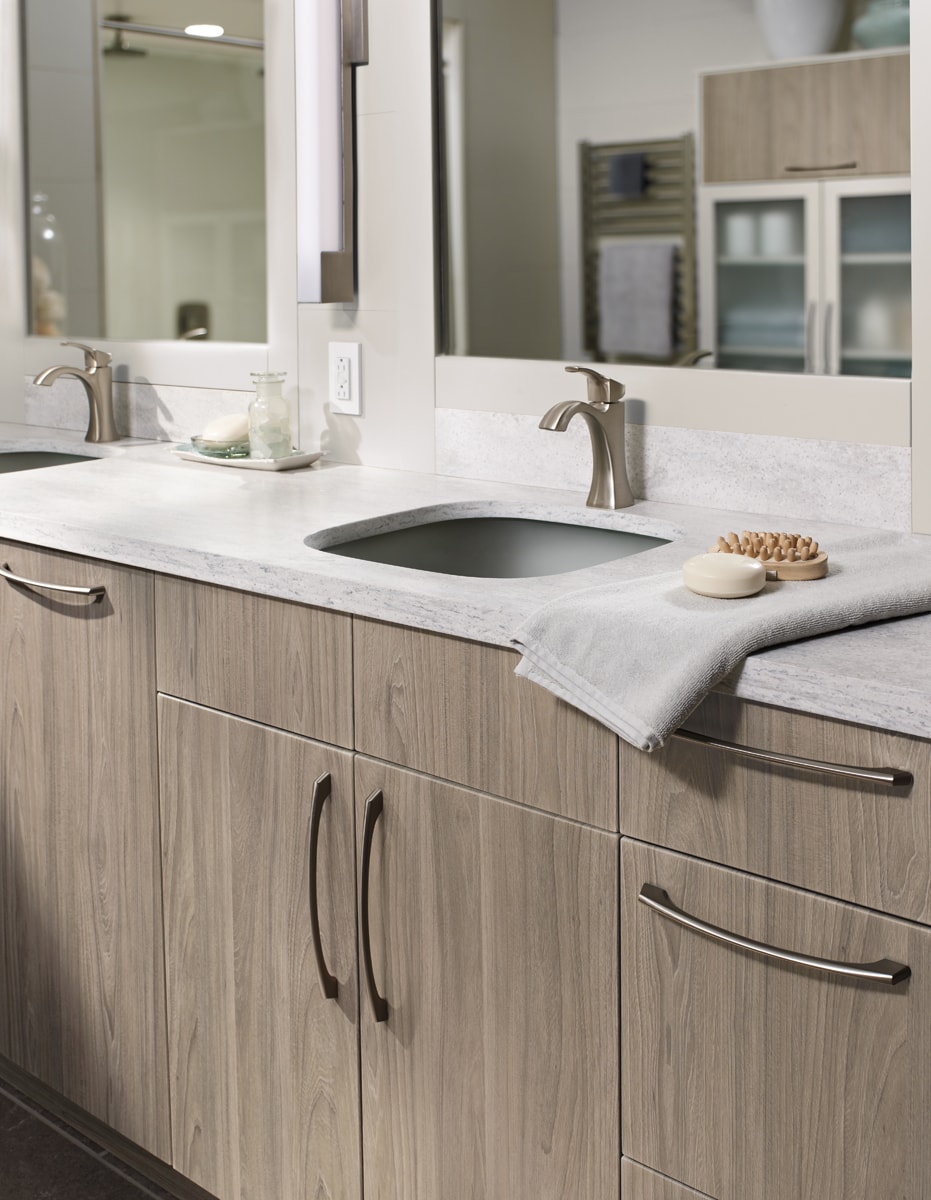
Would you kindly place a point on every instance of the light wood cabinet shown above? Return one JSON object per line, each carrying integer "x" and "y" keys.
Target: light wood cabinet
{"x": 847, "y": 116}
{"x": 637, "y": 1183}
{"x": 283, "y": 664}
{"x": 264, "y": 1065}
{"x": 83, "y": 1004}
{"x": 493, "y": 940}
{"x": 751, "y": 1077}
{"x": 867, "y": 842}
{"x": 456, "y": 710}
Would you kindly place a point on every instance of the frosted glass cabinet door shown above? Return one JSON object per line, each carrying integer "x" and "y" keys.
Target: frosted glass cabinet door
{"x": 760, "y": 295}
{"x": 867, "y": 285}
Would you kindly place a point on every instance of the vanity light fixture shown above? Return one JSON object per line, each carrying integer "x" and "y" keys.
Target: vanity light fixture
{"x": 331, "y": 38}
{"x": 204, "y": 31}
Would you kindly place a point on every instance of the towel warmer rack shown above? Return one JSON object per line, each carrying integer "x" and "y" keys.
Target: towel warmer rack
{"x": 666, "y": 209}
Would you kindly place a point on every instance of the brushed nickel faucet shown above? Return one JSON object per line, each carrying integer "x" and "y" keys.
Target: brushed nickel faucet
{"x": 604, "y": 416}
{"x": 97, "y": 378}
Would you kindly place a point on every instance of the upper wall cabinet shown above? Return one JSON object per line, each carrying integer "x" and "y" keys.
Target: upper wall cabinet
{"x": 826, "y": 119}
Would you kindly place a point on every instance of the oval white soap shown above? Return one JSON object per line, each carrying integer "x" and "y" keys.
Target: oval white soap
{"x": 232, "y": 428}
{"x": 724, "y": 576}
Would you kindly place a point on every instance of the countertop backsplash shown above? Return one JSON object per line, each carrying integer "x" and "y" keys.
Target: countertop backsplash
{"x": 809, "y": 479}
{"x": 154, "y": 412}
{"x": 851, "y": 482}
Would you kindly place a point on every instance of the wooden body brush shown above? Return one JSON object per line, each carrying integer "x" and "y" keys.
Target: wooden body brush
{"x": 785, "y": 555}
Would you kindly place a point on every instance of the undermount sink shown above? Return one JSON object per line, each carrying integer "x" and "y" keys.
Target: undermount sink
{"x": 28, "y": 460}
{"x": 488, "y": 547}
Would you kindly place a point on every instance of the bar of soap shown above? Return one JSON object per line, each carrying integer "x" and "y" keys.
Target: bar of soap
{"x": 724, "y": 576}
{"x": 232, "y": 428}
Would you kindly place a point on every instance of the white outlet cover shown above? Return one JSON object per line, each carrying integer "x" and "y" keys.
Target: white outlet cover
{"x": 351, "y": 353}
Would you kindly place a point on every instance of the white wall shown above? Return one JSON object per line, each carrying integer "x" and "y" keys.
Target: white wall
{"x": 63, "y": 163}
{"x": 394, "y": 317}
{"x": 512, "y": 233}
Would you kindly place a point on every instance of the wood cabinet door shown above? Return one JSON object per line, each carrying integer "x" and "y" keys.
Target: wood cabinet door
{"x": 83, "y": 1005}
{"x": 751, "y": 1078}
{"x": 263, "y": 1066}
{"x": 493, "y": 939}
{"x": 637, "y": 1183}
{"x": 818, "y": 120}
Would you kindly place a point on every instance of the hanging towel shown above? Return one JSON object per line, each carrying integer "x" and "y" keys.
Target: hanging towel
{"x": 636, "y": 293}
{"x": 641, "y": 654}
{"x": 627, "y": 175}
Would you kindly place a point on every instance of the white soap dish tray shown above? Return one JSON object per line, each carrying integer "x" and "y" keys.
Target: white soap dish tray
{"x": 297, "y": 458}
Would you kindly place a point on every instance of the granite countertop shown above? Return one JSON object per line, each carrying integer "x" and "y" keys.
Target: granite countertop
{"x": 143, "y": 506}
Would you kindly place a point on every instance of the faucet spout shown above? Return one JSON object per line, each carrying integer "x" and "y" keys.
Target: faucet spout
{"x": 97, "y": 379}
{"x": 606, "y": 426}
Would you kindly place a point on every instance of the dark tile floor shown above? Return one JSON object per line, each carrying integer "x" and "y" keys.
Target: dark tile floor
{"x": 42, "y": 1159}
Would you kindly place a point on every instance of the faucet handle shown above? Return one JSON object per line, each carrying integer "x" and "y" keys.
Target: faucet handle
{"x": 92, "y": 358}
{"x": 601, "y": 389}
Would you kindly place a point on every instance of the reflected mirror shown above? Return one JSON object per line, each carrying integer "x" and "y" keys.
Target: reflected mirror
{"x": 146, "y": 169}
{"x": 582, "y": 218}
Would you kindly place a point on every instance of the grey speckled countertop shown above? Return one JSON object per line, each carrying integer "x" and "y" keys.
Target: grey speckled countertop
{"x": 143, "y": 506}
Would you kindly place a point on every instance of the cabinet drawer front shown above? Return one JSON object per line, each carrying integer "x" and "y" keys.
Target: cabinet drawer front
{"x": 456, "y": 710}
{"x": 637, "y": 1183}
{"x": 860, "y": 841}
{"x": 272, "y": 661}
{"x": 750, "y": 1078}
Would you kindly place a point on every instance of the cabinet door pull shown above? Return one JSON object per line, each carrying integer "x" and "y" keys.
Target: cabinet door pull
{"x": 827, "y": 340}
{"x": 890, "y": 776}
{"x": 373, "y": 810}
{"x": 844, "y": 166}
{"x": 884, "y": 971}
{"x": 811, "y": 318}
{"x": 97, "y": 592}
{"x": 323, "y": 788}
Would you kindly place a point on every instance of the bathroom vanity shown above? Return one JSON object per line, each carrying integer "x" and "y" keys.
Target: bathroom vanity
{"x": 328, "y": 898}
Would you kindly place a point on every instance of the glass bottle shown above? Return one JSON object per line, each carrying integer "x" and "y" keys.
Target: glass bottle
{"x": 269, "y": 417}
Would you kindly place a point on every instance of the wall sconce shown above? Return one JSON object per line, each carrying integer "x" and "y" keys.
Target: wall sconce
{"x": 332, "y": 40}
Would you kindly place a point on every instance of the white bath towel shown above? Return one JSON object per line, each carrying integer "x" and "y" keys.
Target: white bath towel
{"x": 636, "y": 293}
{"x": 640, "y": 655}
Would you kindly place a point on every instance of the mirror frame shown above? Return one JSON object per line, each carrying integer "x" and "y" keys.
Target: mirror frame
{"x": 216, "y": 365}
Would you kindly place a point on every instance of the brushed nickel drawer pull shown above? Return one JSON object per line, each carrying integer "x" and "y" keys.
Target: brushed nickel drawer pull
{"x": 322, "y": 790}
{"x": 844, "y": 166}
{"x": 884, "y": 971}
{"x": 890, "y": 776}
{"x": 97, "y": 592}
{"x": 374, "y": 807}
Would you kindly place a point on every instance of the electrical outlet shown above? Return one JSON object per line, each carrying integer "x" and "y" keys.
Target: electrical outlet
{"x": 345, "y": 378}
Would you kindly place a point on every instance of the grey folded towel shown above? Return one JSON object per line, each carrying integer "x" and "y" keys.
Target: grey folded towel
{"x": 636, "y": 297}
{"x": 641, "y": 654}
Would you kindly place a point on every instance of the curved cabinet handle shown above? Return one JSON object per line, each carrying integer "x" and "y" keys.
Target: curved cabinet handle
{"x": 844, "y": 166}
{"x": 827, "y": 339}
{"x": 811, "y": 318}
{"x": 323, "y": 788}
{"x": 97, "y": 592}
{"x": 884, "y": 971}
{"x": 373, "y": 810}
{"x": 889, "y": 776}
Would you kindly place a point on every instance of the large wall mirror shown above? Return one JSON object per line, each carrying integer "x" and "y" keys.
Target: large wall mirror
{"x": 562, "y": 118}
{"x": 145, "y": 155}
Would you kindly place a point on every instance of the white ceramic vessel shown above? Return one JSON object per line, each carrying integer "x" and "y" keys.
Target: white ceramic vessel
{"x": 799, "y": 28}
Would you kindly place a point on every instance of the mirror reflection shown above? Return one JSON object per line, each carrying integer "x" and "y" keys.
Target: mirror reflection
{"x": 650, "y": 184}
{"x": 146, "y": 170}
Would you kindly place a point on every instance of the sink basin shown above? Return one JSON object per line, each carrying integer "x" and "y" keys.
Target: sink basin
{"x": 28, "y": 460}
{"x": 492, "y": 547}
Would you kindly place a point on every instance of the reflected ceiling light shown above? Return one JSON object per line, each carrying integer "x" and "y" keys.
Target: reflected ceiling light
{"x": 205, "y": 31}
